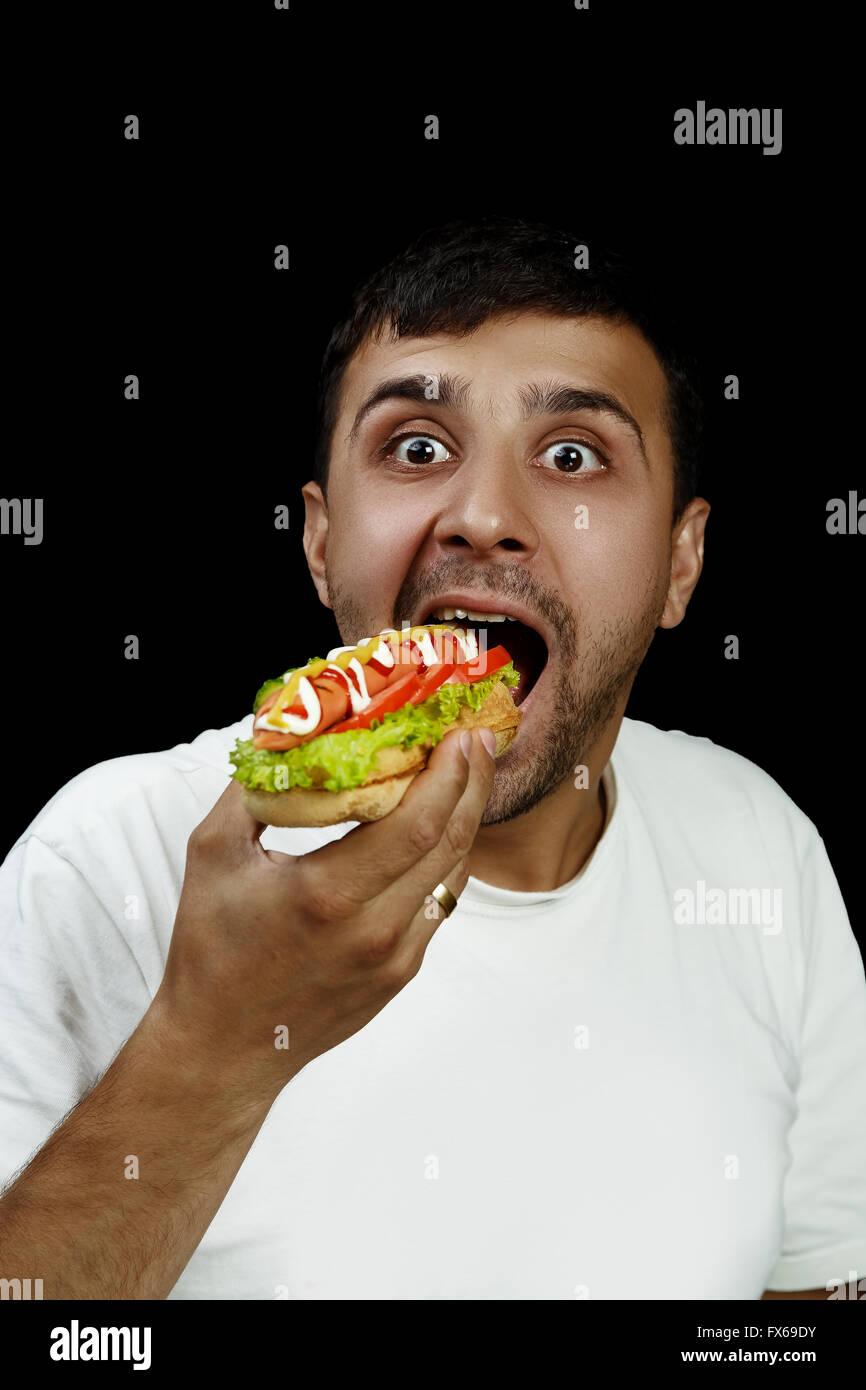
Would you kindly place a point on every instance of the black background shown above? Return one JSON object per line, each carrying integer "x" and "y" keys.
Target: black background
{"x": 306, "y": 127}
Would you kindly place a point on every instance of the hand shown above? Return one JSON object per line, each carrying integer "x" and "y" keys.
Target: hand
{"x": 316, "y": 944}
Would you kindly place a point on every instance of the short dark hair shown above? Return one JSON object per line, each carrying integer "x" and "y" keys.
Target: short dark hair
{"x": 456, "y": 277}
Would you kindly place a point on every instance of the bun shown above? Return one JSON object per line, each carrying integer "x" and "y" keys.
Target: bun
{"x": 387, "y": 783}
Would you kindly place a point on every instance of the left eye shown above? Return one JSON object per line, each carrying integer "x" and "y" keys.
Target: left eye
{"x": 569, "y": 455}
{"x": 420, "y": 448}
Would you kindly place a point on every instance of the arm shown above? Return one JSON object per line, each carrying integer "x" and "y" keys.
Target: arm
{"x": 799, "y": 1293}
{"x": 74, "y": 1219}
{"x": 264, "y": 944}
{"x": 825, "y": 1186}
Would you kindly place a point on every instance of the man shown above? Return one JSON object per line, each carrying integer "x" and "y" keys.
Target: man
{"x": 581, "y": 1082}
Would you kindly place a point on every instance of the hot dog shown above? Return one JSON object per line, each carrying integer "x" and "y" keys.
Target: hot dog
{"x": 341, "y": 738}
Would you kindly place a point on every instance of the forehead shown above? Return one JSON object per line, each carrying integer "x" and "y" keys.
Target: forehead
{"x": 509, "y": 351}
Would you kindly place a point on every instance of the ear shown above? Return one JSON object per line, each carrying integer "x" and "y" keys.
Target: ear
{"x": 687, "y": 560}
{"x": 315, "y": 536}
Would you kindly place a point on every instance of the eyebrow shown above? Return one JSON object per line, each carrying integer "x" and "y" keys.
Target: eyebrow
{"x": 453, "y": 392}
{"x": 538, "y": 398}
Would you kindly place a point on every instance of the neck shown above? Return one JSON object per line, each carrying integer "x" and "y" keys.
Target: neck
{"x": 546, "y": 846}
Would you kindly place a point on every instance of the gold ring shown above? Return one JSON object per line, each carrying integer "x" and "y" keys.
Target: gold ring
{"x": 445, "y": 898}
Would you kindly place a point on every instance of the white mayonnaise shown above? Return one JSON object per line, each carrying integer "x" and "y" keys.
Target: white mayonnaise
{"x": 297, "y": 723}
{"x": 360, "y": 697}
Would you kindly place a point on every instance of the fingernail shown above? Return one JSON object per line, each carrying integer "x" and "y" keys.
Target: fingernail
{"x": 488, "y": 738}
{"x": 466, "y": 744}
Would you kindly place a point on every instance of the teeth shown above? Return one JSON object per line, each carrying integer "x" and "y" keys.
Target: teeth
{"x": 447, "y": 614}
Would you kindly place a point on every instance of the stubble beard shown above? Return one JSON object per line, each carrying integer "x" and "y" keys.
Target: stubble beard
{"x": 582, "y": 710}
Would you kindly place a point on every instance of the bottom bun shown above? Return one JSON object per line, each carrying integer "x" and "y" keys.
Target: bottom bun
{"x": 387, "y": 784}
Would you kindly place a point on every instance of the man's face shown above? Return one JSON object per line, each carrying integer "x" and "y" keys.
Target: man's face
{"x": 484, "y": 497}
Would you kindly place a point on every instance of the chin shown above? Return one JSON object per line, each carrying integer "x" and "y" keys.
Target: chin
{"x": 524, "y": 776}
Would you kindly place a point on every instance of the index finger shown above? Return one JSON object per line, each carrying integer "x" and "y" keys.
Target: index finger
{"x": 374, "y": 855}
{"x": 228, "y": 827}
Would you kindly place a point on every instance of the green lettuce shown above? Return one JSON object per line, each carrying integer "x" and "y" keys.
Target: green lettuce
{"x": 335, "y": 762}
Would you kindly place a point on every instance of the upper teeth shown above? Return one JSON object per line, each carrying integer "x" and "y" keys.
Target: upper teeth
{"x": 446, "y": 614}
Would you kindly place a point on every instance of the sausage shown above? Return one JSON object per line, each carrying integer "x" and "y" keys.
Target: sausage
{"x": 336, "y": 706}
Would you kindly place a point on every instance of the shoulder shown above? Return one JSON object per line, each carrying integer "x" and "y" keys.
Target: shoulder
{"x": 701, "y": 783}
{"x": 170, "y": 788}
{"x": 149, "y": 804}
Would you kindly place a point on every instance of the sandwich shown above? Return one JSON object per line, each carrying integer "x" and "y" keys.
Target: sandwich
{"x": 342, "y": 738}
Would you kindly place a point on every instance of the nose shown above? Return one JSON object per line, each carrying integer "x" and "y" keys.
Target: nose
{"x": 486, "y": 509}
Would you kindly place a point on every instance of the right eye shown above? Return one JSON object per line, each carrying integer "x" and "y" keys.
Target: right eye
{"x": 420, "y": 449}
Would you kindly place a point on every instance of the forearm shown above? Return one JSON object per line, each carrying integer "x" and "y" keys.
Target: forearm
{"x": 118, "y": 1199}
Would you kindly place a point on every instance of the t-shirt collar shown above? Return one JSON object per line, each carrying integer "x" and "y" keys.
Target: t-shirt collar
{"x": 479, "y": 893}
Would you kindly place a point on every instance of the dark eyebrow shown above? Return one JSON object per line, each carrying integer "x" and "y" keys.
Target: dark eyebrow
{"x": 453, "y": 392}
{"x": 552, "y": 399}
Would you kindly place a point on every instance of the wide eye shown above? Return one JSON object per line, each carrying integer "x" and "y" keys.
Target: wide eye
{"x": 419, "y": 448}
{"x": 571, "y": 456}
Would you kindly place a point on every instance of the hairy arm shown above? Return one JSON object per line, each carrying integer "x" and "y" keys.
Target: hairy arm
{"x": 797, "y": 1293}
{"x": 76, "y": 1219}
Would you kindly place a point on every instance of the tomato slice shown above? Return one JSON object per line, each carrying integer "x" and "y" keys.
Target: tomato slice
{"x": 393, "y": 697}
{"x": 494, "y": 660}
{"x": 431, "y": 679}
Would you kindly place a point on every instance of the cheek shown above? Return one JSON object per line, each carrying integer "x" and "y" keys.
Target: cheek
{"x": 371, "y": 550}
{"x": 615, "y": 561}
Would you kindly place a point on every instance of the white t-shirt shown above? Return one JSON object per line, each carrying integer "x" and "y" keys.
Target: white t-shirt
{"x": 581, "y": 1093}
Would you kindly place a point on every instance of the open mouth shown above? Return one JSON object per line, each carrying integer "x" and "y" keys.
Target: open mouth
{"x": 526, "y": 647}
